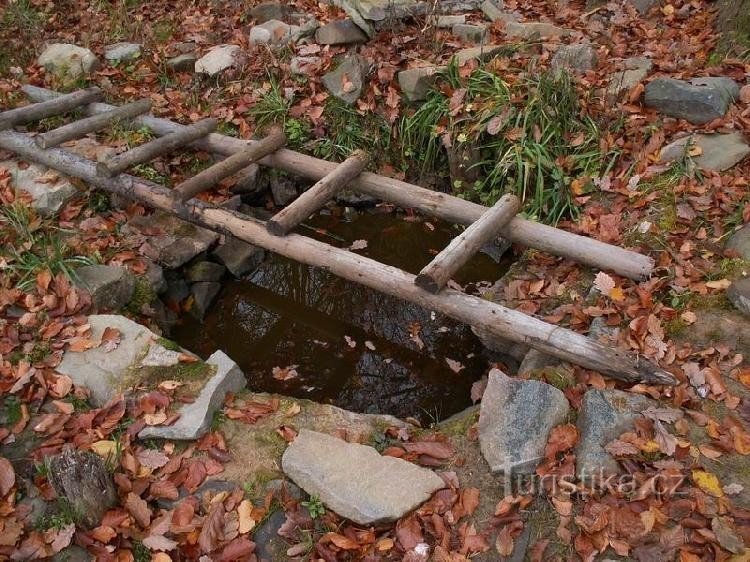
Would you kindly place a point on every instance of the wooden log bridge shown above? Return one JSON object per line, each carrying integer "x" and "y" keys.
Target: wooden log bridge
{"x": 498, "y": 320}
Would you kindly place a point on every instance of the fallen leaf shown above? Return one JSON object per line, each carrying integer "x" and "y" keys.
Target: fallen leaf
{"x": 244, "y": 510}
{"x": 159, "y": 542}
{"x": 358, "y": 245}
{"x": 707, "y": 482}
{"x": 455, "y": 366}
{"x": 63, "y": 537}
{"x": 138, "y": 508}
{"x": 285, "y": 373}
{"x": 7, "y": 476}
{"x": 212, "y": 531}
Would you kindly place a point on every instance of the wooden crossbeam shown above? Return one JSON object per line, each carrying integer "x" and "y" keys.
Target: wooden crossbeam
{"x": 462, "y": 248}
{"x": 157, "y": 147}
{"x": 77, "y": 129}
{"x": 49, "y": 108}
{"x": 318, "y": 195}
{"x": 209, "y": 177}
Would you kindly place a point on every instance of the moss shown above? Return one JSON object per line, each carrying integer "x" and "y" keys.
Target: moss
{"x": 15, "y": 357}
{"x": 458, "y": 425}
{"x": 39, "y": 352}
{"x": 732, "y": 268}
{"x": 169, "y": 344}
{"x": 559, "y": 378}
{"x": 11, "y": 413}
{"x": 675, "y": 327}
{"x": 143, "y": 294}
{"x": 718, "y": 301}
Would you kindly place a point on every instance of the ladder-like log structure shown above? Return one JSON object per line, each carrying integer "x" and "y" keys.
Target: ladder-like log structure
{"x": 312, "y": 200}
{"x": 209, "y": 177}
{"x": 77, "y": 129}
{"x": 498, "y": 320}
{"x": 439, "y": 271}
{"x": 50, "y": 108}
{"x": 162, "y": 145}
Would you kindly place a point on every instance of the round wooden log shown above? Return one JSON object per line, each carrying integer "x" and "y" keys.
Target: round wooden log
{"x": 49, "y": 108}
{"x": 209, "y": 177}
{"x": 155, "y": 148}
{"x": 498, "y": 320}
{"x": 438, "y": 272}
{"x": 77, "y": 129}
{"x": 318, "y": 195}
{"x": 521, "y": 231}
{"x": 81, "y": 478}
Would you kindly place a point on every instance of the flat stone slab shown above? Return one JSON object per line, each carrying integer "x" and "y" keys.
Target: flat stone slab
{"x": 718, "y": 152}
{"x": 528, "y": 30}
{"x": 195, "y": 418}
{"x": 354, "y": 480}
{"x": 122, "y": 52}
{"x": 739, "y": 295}
{"x": 515, "y": 419}
{"x": 68, "y": 60}
{"x": 699, "y": 100}
{"x": 576, "y": 58}
{"x": 636, "y": 70}
{"x": 415, "y": 83}
{"x": 342, "y": 32}
{"x": 604, "y": 416}
{"x": 347, "y": 81}
{"x": 111, "y": 287}
{"x": 220, "y": 58}
{"x": 49, "y": 190}
{"x": 483, "y": 53}
{"x": 740, "y": 242}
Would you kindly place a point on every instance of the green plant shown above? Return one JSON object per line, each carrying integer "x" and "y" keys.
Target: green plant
{"x": 21, "y": 15}
{"x": 63, "y": 515}
{"x": 141, "y": 552}
{"x": 348, "y": 130}
{"x": 273, "y": 109}
{"x": 12, "y": 412}
{"x": 314, "y": 507}
{"x": 297, "y": 132}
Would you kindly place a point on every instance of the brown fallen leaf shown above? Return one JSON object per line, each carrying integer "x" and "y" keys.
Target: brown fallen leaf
{"x": 138, "y": 508}
{"x": 212, "y": 532}
{"x": 7, "y": 476}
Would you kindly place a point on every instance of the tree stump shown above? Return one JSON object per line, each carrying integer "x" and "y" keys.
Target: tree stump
{"x": 82, "y": 479}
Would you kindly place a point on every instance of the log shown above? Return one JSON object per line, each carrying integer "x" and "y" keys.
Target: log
{"x": 521, "y": 231}
{"x": 318, "y": 195}
{"x": 231, "y": 165}
{"x": 155, "y": 148}
{"x": 462, "y": 248}
{"x": 48, "y": 108}
{"x": 77, "y": 129}
{"x": 498, "y": 320}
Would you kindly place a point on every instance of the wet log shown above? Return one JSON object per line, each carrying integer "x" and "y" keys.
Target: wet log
{"x": 318, "y": 195}
{"x": 498, "y": 320}
{"x": 238, "y": 161}
{"x": 77, "y": 129}
{"x": 462, "y": 248}
{"x": 81, "y": 478}
{"x": 521, "y": 231}
{"x": 48, "y": 108}
{"x": 155, "y": 148}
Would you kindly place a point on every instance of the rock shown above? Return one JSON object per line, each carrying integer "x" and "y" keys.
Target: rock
{"x": 267, "y": 11}
{"x": 644, "y": 6}
{"x": 739, "y": 295}
{"x": 195, "y": 418}
{"x": 354, "y": 480}
{"x": 121, "y": 52}
{"x": 283, "y": 190}
{"x": 536, "y": 361}
{"x": 203, "y": 294}
{"x": 154, "y": 275}
{"x": 416, "y": 82}
{"x": 500, "y": 345}
{"x": 183, "y": 63}
{"x": 447, "y": 22}
{"x": 515, "y": 418}
{"x": 719, "y": 152}
{"x": 272, "y": 32}
{"x": 177, "y": 291}
{"x": 72, "y": 553}
{"x": 346, "y": 81}
{"x": 220, "y": 58}
{"x": 578, "y": 58}
{"x": 89, "y": 148}
{"x": 636, "y": 70}
{"x": 544, "y": 30}
{"x": 354, "y": 199}
{"x": 604, "y": 416}
{"x": 494, "y": 12}
{"x": 204, "y": 271}
{"x": 239, "y": 257}
{"x": 68, "y": 61}
{"x": 600, "y": 331}
{"x": 739, "y": 242}
{"x": 305, "y": 66}
{"x": 699, "y": 101}
{"x": 482, "y": 54}
{"x": 342, "y": 32}
{"x": 49, "y": 190}
{"x": 170, "y": 241}
{"x": 469, "y": 33}
{"x": 246, "y": 181}
{"x": 111, "y": 287}
{"x": 184, "y": 47}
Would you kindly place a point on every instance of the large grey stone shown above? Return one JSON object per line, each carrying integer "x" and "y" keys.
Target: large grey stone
{"x": 515, "y": 419}
{"x": 493, "y": 11}
{"x": 341, "y": 32}
{"x": 416, "y": 82}
{"x": 195, "y": 418}
{"x": 220, "y": 58}
{"x": 154, "y": 275}
{"x": 122, "y": 52}
{"x": 470, "y": 33}
{"x": 636, "y": 70}
{"x": 239, "y": 257}
{"x": 272, "y": 32}
{"x": 739, "y": 242}
{"x": 204, "y": 271}
{"x": 718, "y": 152}
{"x": 577, "y": 58}
{"x": 347, "y": 80}
{"x": 103, "y": 371}
{"x": 529, "y": 30}
{"x": 266, "y": 11}
{"x": 283, "y": 190}
{"x": 354, "y": 480}
{"x": 67, "y": 60}
{"x": 110, "y": 286}
{"x": 604, "y": 416}
{"x": 536, "y": 361}
{"x": 482, "y": 53}
{"x": 203, "y": 294}
{"x": 699, "y": 101}
{"x": 447, "y": 22}
{"x": 183, "y": 63}
{"x": 739, "y": 295}
{"x": 49, "y": 190}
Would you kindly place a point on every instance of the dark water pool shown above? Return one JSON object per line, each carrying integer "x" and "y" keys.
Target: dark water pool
{"x": 341, "y": 343}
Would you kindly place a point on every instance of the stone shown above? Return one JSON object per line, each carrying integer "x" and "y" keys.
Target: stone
{"x": 246, "y": 180}
{"x": 283, "y": 190}
{"x": 347, "y": 80}
{"x": 500, "y": 345}
{"x": 636, "y": 70}
{"x": 577, "y": 58}
{"x": 354, "y": 480}
{"x": 184, "y": 47}
{"x": 111, "y": 287}
{"x": 49, "y": 190}
{"x": 355, "y": 199}
{"x": 718, "y": 152}
{"x": 416, "y": 82}
{"x": 493, "y": 11}
{"x": 535, "y": 361}
{"x": 601, "y": 332}
{"x": 195, "y": 418}
{"x": 122, "y": 52}
{"x": 447, "y": 22}
{"x": 203, "y": 294}
{"x": 644, "y": 6}
{"x": 469, "y": 33}
{"x": 90, "y": 149}
{"x": 204, "y": 271}
{"x": 219, "y": 59}
{"x": 604, "y": 416}
{"x": 239, "y": 257}
{"x": 177, "y": 291}
{"x": 738, "y": 294}
{"x": 342, "y": 32}
{"x": 739, "y": 242}
{"x": 272, "y": 32}
{"x": 482, "y": 54}
{"x": 515, "y": 418}
{"x": 67, "y": 60}
{"x": 529, "y": 30}
{"x": 698, "y": 101}
{"x": 183, "y": 63}
{"x": 100, "y": 370}
{"x": 305, "y": 66}
{"x": 266, "y": 11}
{"x": 154, "y": 275}
{"x": 170, "y": 241}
